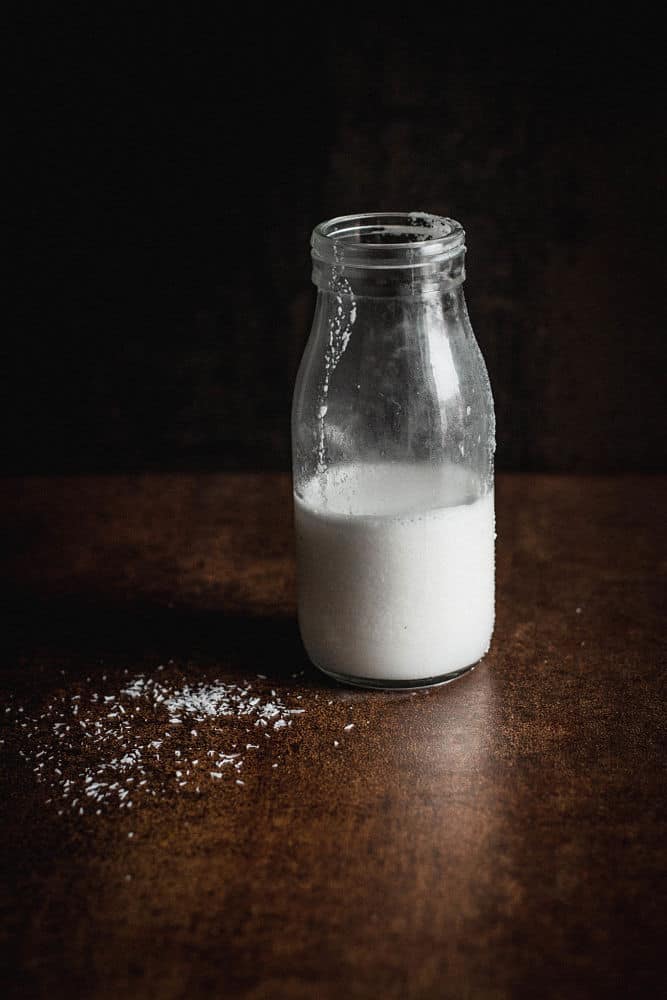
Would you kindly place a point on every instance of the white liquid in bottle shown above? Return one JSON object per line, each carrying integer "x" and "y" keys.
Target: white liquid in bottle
{"x": 396, "y": 571}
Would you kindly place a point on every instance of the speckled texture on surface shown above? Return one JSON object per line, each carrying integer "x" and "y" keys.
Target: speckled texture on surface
{"x": 499, "y": 837}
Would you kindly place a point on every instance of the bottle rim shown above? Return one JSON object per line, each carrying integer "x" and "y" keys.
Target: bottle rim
{"x": 387, "y": 240}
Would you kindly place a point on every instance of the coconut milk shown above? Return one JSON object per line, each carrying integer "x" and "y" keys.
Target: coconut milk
{"x": 395, "y": 571}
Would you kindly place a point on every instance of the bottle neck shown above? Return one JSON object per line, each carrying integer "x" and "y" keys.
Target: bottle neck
{"x": 394, "y": 282}
{"x": 391, "y": 254}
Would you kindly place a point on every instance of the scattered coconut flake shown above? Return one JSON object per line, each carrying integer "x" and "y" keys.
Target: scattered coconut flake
{"x": 124, "y": 726}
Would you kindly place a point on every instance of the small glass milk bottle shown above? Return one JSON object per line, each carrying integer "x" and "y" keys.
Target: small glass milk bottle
{"x": 393, "y": 437}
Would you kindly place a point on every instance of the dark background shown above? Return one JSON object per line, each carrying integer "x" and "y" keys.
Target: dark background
{"x": 169, "y": 171}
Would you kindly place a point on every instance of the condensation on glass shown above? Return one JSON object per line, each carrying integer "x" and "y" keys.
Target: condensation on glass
{"x": 393, "y": 439}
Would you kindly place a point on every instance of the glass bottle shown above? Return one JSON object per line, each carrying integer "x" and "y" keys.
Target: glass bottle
{"x": 393, "y": 438}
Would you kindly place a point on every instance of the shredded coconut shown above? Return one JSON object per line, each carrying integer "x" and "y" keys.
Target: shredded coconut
{"x": 120, "y": 727}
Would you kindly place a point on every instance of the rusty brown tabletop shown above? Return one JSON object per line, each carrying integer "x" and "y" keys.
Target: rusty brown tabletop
{"x": 501, "y": 836}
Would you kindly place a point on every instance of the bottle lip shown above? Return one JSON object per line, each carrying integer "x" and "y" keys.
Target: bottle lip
{"x": 387, "y": 240}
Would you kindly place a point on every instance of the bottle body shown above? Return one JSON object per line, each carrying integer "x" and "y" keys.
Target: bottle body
{"x": 393, "y": 440}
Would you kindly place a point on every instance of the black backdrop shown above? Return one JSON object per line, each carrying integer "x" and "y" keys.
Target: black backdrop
{"x": 169, "y": 171}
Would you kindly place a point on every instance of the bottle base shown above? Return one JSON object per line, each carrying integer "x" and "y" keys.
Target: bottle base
{"x": 386, "y": 684}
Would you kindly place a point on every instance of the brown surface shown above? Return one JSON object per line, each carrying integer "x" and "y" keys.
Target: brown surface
{"x": 498, "y": 837}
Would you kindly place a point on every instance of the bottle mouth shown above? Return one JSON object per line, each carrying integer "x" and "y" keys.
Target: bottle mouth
{"x": 387, "y": 240}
